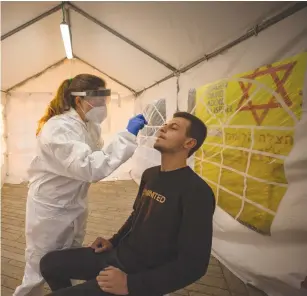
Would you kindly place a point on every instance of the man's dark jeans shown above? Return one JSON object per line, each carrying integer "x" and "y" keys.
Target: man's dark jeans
{"x": 60, "y": 267}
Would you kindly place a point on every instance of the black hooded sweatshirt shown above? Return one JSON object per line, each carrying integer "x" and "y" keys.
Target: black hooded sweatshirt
{"x": 165, "y": 244}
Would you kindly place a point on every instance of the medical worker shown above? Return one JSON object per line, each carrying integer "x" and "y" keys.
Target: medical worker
{"x": 68, "y": 158}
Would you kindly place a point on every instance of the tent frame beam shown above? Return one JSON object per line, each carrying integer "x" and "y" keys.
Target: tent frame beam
{"x": 252, "y": 32}
{"x": 31, "y": 22}
{"x": 176, "y": 73}
{"x": 110, "y": 77}
{"x": 36, "y": 75}
{"x": 120, "y": 36}
{"x": 69, "y": 6}
{"x": 58, "y": 63}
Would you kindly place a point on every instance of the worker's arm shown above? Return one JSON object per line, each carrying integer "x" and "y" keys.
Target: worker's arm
{"x": 66, "y": 154}
{"x": 94, "y": 130}
{"x": 194, "y": 248}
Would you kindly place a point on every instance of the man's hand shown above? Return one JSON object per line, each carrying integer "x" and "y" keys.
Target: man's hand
{"x": 101, "y": 245}
{"x": 114, "y": 281}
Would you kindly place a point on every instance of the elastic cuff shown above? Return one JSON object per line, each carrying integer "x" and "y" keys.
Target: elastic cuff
{"x": 128, "y": 135}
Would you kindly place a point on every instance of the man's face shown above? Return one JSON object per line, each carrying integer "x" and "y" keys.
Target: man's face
{"x": 172, "y": 137}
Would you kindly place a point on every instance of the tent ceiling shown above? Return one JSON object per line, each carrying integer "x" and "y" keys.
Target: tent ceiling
{"x": 14, "y": 14}
{"x": 176, "y": 32}
{"x": 112, "y": 55}
{"x": 180, "y": 32}
{"x": 31, "y": 50}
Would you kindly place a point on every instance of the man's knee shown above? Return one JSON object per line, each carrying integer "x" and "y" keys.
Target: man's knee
{"x": 48, "y": 264}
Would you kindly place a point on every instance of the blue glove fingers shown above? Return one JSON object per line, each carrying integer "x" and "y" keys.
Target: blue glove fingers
{"x": 140, "y": 123}
{"x": 136, "y": 124}
{"x": 141, "y": 116}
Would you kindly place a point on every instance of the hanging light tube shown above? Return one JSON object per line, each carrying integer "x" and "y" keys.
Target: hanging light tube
{"x": 66, "y": 39}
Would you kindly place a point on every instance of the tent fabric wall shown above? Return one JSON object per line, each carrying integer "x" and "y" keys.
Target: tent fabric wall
{"x": 3, "y": 139}
{"x": 276, "y": 264}
{"x": 23, "y": 112}
{"x": 27, "y": 103}
{"x": 165, "y": 90}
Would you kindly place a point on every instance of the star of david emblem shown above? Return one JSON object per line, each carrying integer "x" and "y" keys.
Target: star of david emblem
{"x": 280, "y": 89}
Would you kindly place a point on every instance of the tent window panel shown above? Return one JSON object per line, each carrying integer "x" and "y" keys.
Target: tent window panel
{"x": 155, "y": 114}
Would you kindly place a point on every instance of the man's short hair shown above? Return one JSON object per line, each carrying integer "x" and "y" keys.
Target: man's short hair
{"x": 197, "y": 129}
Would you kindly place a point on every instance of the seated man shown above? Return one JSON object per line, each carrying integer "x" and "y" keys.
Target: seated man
{"x": 164, "y": 245}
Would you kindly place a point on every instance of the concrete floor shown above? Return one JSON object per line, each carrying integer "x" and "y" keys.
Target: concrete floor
{"x": 110, "y": 204}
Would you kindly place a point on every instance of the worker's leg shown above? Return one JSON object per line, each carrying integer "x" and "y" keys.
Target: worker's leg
{"x": 89, "y": 288}
{"x": 43, "y": 234}
{"x": 59, "y": 267}
{"x": 32, "y": 282}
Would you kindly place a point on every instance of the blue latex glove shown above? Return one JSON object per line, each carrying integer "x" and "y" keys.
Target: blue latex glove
{"x": 136, "y": 123}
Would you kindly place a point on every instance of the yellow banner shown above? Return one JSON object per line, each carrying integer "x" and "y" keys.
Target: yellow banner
{"x": 251, "y": 119}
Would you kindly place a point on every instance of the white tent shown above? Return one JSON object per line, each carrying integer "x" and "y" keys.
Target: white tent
{"x": 156, "y": 56}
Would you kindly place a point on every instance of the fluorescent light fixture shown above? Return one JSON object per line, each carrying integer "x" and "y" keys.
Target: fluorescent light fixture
{"x": 66, "y": 39}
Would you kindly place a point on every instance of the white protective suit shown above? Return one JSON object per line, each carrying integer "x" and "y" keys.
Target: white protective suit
{"x": 67, "y": 161}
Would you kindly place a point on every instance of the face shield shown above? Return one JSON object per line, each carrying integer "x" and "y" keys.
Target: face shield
{"x": 98, "y": 100}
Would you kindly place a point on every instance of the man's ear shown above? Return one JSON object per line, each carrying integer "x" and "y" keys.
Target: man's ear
{"x": 190, "y": 143}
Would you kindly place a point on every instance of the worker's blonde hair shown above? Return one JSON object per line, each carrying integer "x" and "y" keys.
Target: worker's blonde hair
{"x": 63, "y": 100}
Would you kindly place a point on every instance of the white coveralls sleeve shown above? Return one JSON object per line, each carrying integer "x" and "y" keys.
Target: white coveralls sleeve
{"x": 67, "y": 155}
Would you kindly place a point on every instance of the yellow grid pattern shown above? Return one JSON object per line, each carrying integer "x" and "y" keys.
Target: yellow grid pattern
{"x": 243, "y": 156}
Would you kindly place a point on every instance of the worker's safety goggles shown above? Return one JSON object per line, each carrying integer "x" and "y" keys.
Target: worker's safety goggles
{"x": 96, "y": 98}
